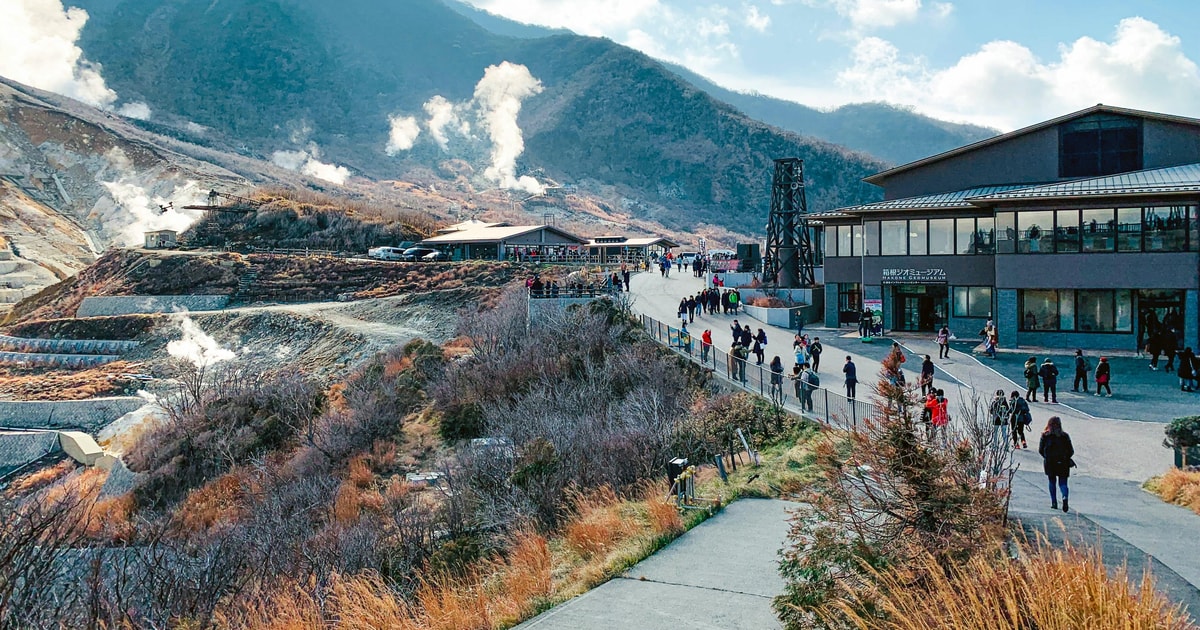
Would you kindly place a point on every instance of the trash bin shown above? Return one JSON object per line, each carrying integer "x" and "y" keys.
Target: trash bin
{"x": 675, "y": 467}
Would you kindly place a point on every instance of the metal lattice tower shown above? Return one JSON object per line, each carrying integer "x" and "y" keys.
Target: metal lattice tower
{"x": 790, "y": 261}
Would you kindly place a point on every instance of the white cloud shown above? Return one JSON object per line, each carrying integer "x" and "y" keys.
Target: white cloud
{"x": 757, "y": 20}
{"x": 403, "y": 134}
{"x": 307, "y": 163}
{"x": 1004, "y": 84}
{"x": 37, "y": 47}
{"x": 865, "y": 15}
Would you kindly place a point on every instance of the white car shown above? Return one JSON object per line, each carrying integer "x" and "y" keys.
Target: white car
{"x": 385, "y": 253}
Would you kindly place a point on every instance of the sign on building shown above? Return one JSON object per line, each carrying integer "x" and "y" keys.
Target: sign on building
{"x": 914, "y": 276}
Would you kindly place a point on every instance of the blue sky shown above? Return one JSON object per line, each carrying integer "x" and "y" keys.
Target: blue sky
{"x": 1003, "y": 64}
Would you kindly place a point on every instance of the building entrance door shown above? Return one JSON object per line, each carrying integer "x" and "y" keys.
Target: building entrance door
{"x": 920, "y": 308}
{"x": 1158, "y": 313}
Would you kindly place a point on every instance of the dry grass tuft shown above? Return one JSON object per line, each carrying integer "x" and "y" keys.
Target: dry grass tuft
{"x": 597, "y": 524}
{"x": 347, "y": 504}
{"x": 662, "y": 514}
{"x": 1054, "y": 589}
{"x": 216, "y": 504}
{"x": 1179, "y": 487}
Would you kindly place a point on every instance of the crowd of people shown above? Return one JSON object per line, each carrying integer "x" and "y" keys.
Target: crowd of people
{"x": 709, "y": 301}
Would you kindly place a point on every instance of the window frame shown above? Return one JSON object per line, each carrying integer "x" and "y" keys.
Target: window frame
{"x": 1068, "y": 319}
{"x": 966, "y": 291}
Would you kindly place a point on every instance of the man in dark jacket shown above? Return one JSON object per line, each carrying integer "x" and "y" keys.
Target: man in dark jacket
{"x": 1081, "y": 371}
{"x": 851, "y": 373}
{"x": 1049, "y": 374}
{"x": 815, "y": 351}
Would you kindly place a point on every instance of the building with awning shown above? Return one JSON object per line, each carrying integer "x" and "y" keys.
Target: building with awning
{"x": 606, "y": 249}
{"x": 510, "y": 242}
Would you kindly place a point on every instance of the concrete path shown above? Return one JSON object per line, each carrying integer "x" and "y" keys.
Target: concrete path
{"x": 720, "y": 575}
{"x": 1114, "y": 456}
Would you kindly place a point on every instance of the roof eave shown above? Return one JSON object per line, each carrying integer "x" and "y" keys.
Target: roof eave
{"x": 983, "y": 201}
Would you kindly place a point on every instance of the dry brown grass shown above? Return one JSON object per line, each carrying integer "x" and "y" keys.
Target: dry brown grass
{"x": 42, "y": 477}
{"x": 216, "y": 504}
{"x": 1179, "y": 487}
{"x": 1053, "y": 589}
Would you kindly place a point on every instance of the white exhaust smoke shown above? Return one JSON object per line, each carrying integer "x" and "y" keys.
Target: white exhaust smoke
{"x": 307, "y": 163}
{"x": 196, "y": 346}
{"x": 38, "y": 47}
{"x": 494, "y": 108}
{"x": 403, "y": 135}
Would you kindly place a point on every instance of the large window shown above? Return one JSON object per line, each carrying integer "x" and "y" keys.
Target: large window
{"x": 845, "y": 241}
{"x": 1066, "y": 231}
{"x": 973, "y": 302}
{"x": 1098, "y": 229}
{"x": 941, "y": 237}
{"x": 1035, "y": 231}
{"x": 831, "y": 241}
{"x": 1194, "y": 229}
{"x": 857, "y": 239}
{"x": 1083, "y": 310}
{"x": 849, "y": 297}
{"x": 1165, "y": 228}
{"x": 894, "y": 238}
{"x": 871, "y": 238}
{"x": 1006, "y": 232}
{"x": 1101, "y": 144}
{"x": 916, "y": 238}
{"x": 1129, "y": 229}
{"x": 985, "y": 235}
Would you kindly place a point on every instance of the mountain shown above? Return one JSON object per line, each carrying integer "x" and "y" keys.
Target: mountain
{"x": 297, "y": 74}
{"x": 890, "y": 133}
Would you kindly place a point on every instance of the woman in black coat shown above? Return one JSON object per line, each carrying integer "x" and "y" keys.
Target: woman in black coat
{"x": 1056, "y": 451}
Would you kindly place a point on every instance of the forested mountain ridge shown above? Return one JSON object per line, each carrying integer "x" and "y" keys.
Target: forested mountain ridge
{"x": 286, "y": 74}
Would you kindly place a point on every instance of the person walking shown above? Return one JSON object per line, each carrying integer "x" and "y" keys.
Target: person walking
{"x": 939, "y": 413}
{"x": 1185, "y": 372}
{"x": 777, "y": 380}
{"x": 759, "y": 351}
{"x": 1031, "y": 379}
{"x": 1049, "y": 374}
{"x": 1019, "y": 418}
{"x": 1082, "y": 367}
{"x": 800, "y": 350}
{"x": 683, "y": 312}
{"x": 1103, "y": 377}
{"x": 747, "y": 336}
{"x": 926, "y": 375}
{"x": 1000, "y": 412}
{"x": 992, "y": 342}
{"x": 625, "y": 275}
{"x": 743, "y": 355}
{"x": 811, "y": 383}
{"x": 943, "y": 341}
{"x": 814, "y": 352}
{"x": 705, "y": 345}
{"x": 1057, "y": 453}
{"x": 691, "y": 309}
{"x": 851, "y": 373}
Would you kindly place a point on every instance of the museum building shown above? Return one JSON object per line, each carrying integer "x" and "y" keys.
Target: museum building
{"x": 1081, "y": 231}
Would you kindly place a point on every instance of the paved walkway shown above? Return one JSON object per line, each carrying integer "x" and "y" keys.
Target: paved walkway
{"x": 1114, "y": 456}
{"x": 720, "y": 575}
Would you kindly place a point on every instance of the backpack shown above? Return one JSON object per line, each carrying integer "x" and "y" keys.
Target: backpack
{"x": 1031, "y": 372}
{"x": 813, "y": 379}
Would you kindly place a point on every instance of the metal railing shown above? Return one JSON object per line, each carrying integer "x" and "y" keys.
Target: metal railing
{"x": 818, "y": 403}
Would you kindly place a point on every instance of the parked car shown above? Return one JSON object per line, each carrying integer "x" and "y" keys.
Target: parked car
{"x": 436, "y": 257}
{"x": 413, "y": 254}
{"x": 385, "y": 253}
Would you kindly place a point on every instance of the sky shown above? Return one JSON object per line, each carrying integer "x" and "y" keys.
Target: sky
{"x": 1000, "y": 64}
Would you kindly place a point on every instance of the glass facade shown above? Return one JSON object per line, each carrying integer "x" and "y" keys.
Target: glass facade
{"x": 1083, "y": 310}
{"x": 941, "y": 237}
{"x": 871, "y": 238}
{"x": 1098, "y": 230}
{"x": 973, "y": 302}
{"x": 1006, "y": 232}
{"x": 917, "y": 245}
{"x": 894, "y": 238}
{"x": 1035, "y": 231}
{"x": 1101, "y": 144}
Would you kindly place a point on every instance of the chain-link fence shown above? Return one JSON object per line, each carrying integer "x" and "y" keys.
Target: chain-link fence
{"x": 817, "y": 402}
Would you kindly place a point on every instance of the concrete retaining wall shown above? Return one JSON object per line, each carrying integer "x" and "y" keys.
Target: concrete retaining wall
{"x": 136, "y": 304}
{"x": 85, "y": 415}
{"x": 68, "y": 361}
{"x": 64, "y": 346}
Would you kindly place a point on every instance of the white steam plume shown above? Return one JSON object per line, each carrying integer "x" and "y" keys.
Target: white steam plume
{"x": 138, "y": 210}
{"x": 441, "y": 115}
{"x": 38, "y": 47}
{"x": 403, "y": 134}
{"x": 138, "y": 110}
{"x": 196, "y": 347}
{"x": 307, "y": 162}
{"x": 498, "y": 95}
{"x": 494, "y": 107}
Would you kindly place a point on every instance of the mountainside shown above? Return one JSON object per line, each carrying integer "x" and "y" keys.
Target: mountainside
{"x": 325, "y": 77}
{"x": 891, "y": 133}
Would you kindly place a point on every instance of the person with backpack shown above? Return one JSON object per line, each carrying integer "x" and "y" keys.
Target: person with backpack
{"x": 1082, "y": 367}
{"x": 812, "y": 382}
{"x": 999, "y": 410}
{"x": 814, "y": 352}
{"x": 1019, "y": 418}
{"x": 1031, "y": 379}
{"x": 926, "y": 375}
{"x": 1049, "y": 374}
{"x": 1057, "y": 453}
{"x": 1103, "y": 376}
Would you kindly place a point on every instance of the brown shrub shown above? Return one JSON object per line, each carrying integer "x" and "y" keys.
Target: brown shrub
{"x": 661, "y": 512}
{"x": 1179, "y": 487}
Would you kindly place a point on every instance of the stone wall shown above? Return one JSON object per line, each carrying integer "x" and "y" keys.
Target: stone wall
{"x": 85, "y": 415}
{"x": 64, "y": 346}
{"x": 136, "y": 304}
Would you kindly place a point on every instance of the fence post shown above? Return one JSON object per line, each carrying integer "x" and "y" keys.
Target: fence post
{"x": 827, "y": 419}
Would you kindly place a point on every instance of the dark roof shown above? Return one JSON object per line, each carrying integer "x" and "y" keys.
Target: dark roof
{"x": 941, "y": 201}
{"x": 1167, "y": 180}
{"x": 1095, "y": 109}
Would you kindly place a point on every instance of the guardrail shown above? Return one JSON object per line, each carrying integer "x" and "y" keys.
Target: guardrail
{"x": 819, "y": 404}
